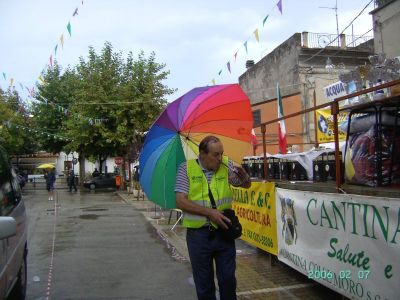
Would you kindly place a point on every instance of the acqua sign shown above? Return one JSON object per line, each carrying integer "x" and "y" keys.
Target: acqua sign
{"x": 335, "y": 90}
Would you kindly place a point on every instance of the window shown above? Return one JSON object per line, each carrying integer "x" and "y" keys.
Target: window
{"x": 256, "y": 117}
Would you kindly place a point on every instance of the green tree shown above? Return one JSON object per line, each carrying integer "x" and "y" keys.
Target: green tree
{"x": 103, "y": 105}
{"x": 16, "y": 134}
{"x": 121, "y": 100}
{"x": 50, "y": 112}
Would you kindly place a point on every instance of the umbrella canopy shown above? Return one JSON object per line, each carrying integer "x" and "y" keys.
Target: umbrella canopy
{"x": 46, "y": 166}
{"x": 222, "y": 110}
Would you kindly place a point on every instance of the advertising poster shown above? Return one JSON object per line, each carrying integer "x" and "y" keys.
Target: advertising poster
{"x": 256, "y": 210}
{"x": 349, "y": 243}
{"x": 325, "y": 130}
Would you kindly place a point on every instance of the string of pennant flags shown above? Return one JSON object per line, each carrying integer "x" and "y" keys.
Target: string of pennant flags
{"x": 61, "y": 42}
{"x": 31, "y": 91}
{"x": 9, "y": 124}
{"x": 256, "y": 35}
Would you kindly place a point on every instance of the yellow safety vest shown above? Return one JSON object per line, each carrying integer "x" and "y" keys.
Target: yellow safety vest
{"x": 198, "y": 191}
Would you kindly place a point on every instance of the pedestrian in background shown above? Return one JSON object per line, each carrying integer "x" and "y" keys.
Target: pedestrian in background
{"x": 95, "y": 173}
{"x": 211, "y": 173}
{"x": 71, "y": 180}
{"x": 50, "y": 177}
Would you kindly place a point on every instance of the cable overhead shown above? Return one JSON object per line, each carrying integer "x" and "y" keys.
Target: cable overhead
{"x": 360, "y": 13}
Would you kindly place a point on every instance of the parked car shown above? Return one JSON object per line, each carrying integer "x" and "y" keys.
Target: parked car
{"x": 101, "y": 181}
{"x": 13, "y": 234}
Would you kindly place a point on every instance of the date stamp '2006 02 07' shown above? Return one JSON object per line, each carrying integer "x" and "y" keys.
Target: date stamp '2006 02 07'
{"x": 343, "y": 274}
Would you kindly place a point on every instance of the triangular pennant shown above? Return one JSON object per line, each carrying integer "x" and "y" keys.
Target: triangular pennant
{"x": 236, "y": 54}
{"x": 69, "y": 28}
{"x": 265, "y": 20}
{"x": 11, "y": 81}
{"x": 279, "y": 4}
{"x": 220, "y": 71}
{"x": 213, "y": 81}
{"x": 256, "y": 35}
{"x": 228, "y": 65}
{"x": 245, "y": 46}
{"x": 62, "y": 41}
{"x": 55, "y": 50}
{"x": 4, "y": 75}
{"x": 75, "y": 12}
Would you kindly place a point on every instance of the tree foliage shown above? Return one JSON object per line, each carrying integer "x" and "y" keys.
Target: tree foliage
{"x": 107, "y": 103}
{"x": 16, "y": 135}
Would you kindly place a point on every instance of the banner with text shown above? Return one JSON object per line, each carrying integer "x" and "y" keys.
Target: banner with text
{"x": 256, "y": 210}
{"x": 325, "y": 130}
{"x": 348, "y": 243}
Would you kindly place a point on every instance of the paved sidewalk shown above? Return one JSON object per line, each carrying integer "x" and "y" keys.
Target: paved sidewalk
{"x": 259, "y": 274}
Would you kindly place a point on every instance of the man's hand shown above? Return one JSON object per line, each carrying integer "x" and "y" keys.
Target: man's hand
{"x": 218, "y": 217}
{"x": 243, "y": 177}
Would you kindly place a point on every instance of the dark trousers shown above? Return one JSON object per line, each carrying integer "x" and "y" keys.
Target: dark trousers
{"x": 71, "y": 183}
{"x": 204, "y": 247}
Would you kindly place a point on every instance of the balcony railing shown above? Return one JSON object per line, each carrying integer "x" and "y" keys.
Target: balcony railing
{"x": 322, "y": 40}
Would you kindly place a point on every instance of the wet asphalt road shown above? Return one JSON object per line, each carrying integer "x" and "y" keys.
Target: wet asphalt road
{"x": 94, "y": 246}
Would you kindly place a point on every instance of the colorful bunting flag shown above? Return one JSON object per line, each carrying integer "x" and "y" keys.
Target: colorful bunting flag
{"x": 69, "y": 28}
{"x": 245, "y": 46}
{"x": 75, "y": 12}
{"x": 236, "y": 55}
{"x": 213, "y": 81}
{"x": 256, "y": 35}
{"x": 220, "y": 71}
{"x": 55, "y": 50}
{"x": 62, "y": 41}
{"x": 228, "y": 65}
{"x": 51, "y": 60}
{"x": 11, "y": 81}
{"x": 279, "y": 4}
{"x": 265, "y": 20}
{"x": 4, "y": 75}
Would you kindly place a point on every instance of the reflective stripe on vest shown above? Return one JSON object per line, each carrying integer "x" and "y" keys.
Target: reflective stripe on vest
{"x": 198, "y": 191}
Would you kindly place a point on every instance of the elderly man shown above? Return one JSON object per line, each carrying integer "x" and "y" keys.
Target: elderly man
{"x": 197, "y": 181}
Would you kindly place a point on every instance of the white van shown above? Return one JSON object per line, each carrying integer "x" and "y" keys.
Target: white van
{"x": 13, "y": 234}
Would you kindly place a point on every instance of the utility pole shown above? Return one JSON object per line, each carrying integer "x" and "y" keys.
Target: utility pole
{"x": 337, "y": 20}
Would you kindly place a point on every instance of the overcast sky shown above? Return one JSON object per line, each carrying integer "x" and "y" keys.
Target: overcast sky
{"x": 195, "y": 39}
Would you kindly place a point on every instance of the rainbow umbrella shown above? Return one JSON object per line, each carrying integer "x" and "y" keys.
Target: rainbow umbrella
{"x": 221, "y": 110}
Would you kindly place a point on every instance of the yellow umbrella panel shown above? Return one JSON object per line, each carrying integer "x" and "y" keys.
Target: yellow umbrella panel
{"x": 46, "y": 166}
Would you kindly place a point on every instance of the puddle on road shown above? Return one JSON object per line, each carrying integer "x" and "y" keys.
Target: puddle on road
{"x": 94, "y": 209}
{"x": 89, "y": 217}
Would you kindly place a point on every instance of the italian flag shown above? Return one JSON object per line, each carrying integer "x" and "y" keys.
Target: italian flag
{"x": 254, "y": 141}
{"x": 281, "y": 123}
